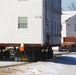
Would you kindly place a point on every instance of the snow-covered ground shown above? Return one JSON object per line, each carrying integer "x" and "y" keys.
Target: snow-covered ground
{"x": 62, "y": 65}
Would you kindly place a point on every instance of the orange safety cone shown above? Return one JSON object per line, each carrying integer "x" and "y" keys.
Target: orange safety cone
{"x": 22, "y": 47}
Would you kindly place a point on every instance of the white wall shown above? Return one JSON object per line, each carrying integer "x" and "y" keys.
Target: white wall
{"x": 71, "y": 29}
{"x": 10, "y": 10}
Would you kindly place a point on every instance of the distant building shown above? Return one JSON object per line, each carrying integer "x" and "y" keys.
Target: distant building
{"x": 68, "y": 24}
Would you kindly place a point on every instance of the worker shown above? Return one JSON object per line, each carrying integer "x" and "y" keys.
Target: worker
{"x": 17, "y": 55}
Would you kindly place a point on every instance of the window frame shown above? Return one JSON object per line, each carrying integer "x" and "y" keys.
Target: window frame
{"x": 22, "y": 22}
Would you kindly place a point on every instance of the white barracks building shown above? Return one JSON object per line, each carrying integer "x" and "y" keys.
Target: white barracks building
{"x": 68, "y": 24}
{"x": 30, "y": 21}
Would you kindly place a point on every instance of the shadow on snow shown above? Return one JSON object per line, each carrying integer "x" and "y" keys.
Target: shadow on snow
{"x": 63, "y": 60}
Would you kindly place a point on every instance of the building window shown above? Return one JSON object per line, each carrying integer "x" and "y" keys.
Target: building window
{"x": 68, "y": 24}
{"x": 22, "y": 22}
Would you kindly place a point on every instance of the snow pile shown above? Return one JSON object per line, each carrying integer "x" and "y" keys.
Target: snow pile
{"x": 45, "y": 68}
{"x": 39, "y": 68}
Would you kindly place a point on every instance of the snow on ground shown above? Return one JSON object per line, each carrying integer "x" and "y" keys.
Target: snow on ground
{"x": 71, "y": 56}
{"x": 62, "y": 65}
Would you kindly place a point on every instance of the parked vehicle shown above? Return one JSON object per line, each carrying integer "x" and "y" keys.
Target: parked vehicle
{"x": 69, "y": 44}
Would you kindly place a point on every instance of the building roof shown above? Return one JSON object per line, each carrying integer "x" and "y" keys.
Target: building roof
{"x": 66, "y": 15}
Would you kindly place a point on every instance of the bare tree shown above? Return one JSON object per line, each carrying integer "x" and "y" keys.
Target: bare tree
{"x": 72, "y": 6}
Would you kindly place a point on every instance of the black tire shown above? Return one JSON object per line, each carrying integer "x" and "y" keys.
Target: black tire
{"x": 7, "y": 54}
{"x": 1, "y": 55}
{"x": 50, "y": 53}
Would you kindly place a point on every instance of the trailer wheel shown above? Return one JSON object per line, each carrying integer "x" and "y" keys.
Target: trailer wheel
{"x": 29, "y": 55}
{"x": 1, "y": 54}
{"x": 7, "y": 54}
{"x": 33, "y": 55}
{"x": 50, "y": 53}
